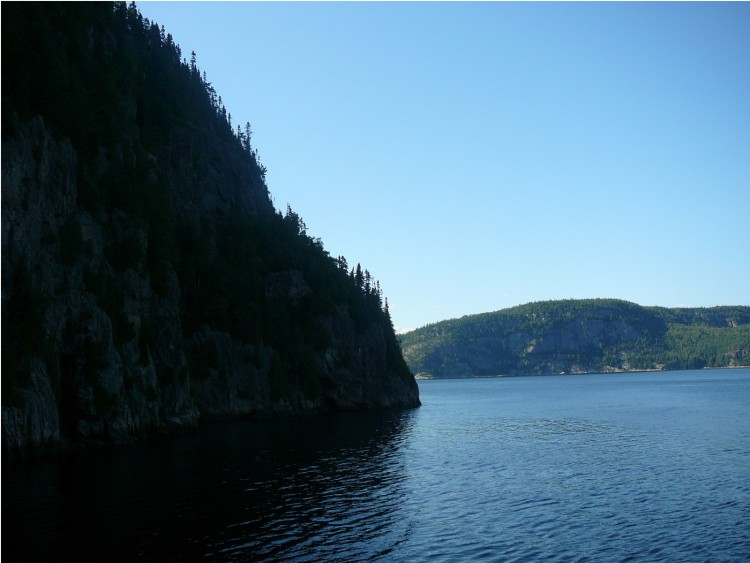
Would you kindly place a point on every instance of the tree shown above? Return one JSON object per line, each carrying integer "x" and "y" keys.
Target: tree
{"x": 295, "y": 220}
{"x": 248, "y": 134}
{"x": 387, "y": 311}
{"x": 368, "y": 282}
{"x": 342, "y": 264}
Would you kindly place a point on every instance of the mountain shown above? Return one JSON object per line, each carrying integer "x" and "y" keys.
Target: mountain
{"x": 147, "y": 280}
{"x": 580, "y": 336}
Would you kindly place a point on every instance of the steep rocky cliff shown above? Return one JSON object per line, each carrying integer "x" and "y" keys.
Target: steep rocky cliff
{"x": 147, "y": 281}
{"x": 597, "y": 335}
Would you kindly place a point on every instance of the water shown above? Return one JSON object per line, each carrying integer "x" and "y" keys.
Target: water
{"x": 569, "y": 468}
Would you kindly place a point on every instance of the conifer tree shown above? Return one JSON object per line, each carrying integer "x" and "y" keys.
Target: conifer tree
{"x": 387, "y": 311}
{"x": 248, "y": 134}
{"x": 367, "y": 282}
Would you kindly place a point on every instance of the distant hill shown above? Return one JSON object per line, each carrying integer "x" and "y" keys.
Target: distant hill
{"x": 580, "y": 336}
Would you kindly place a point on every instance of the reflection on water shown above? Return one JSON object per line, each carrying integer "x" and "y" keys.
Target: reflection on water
{"x": 331, "y": 494}
{"x": 645, "y": 467}
{"x": 324, "y": 485}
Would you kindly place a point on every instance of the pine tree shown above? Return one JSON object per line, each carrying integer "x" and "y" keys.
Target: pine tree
{"x": 368, "y": 281}
{"x": 387, "y": 311}
{"x": 295, "y": 220}
{"x": 248, "y": 134}
{"x": 343, "y": 265}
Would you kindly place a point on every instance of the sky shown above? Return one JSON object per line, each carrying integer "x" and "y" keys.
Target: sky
{"x": 477, "y": 156}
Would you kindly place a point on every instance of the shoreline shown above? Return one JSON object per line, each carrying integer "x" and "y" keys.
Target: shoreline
{"x": 424, "y": 377}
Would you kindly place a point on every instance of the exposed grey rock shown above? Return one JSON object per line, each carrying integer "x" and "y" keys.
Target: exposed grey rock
{"x": 34, "y": 425}
{"x": 110, "y": 362}
{"x": 579, "y": 336}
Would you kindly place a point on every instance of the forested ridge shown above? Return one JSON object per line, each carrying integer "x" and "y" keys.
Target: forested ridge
{"x": 580, "y": 336}
{"x": 148, "y": 280}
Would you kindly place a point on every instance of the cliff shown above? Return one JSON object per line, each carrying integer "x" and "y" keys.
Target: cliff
{"x": 584, "y": 336}
{"x": 147, "y": 281}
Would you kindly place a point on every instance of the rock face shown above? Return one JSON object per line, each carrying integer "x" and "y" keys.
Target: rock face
{"x": 147, "y": 281}
{"x": 597, "y": 335}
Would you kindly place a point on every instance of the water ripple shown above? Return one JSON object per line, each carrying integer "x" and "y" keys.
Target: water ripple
{"x": 550, "y": 469}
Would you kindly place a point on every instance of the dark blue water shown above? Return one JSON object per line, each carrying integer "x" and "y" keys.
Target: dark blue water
{"x": 620, "y": 467}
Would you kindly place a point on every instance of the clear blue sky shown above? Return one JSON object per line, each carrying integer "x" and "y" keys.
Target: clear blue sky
{"x": 476, "y": 156}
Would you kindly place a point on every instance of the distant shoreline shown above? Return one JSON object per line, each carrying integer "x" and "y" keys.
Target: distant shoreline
{"x": 422, "y": 377}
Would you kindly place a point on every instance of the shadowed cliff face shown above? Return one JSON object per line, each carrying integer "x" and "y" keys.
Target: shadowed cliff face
{"x": 147, "y": 281}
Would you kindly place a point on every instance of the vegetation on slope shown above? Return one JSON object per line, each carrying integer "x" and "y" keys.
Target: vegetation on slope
{"x": 145, "y": 269}
{"x": 592, "y": 335}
